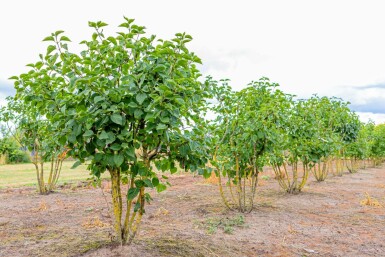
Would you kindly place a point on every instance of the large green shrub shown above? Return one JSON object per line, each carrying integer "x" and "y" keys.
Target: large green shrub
{"x": 124, "y": 103}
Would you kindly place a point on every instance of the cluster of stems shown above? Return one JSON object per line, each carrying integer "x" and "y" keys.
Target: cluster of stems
{"x": 288, "y": 176}
{"x": 56, "y": 163}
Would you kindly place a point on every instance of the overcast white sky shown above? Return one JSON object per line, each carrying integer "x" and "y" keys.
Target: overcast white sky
{"x": 332, "y": 48}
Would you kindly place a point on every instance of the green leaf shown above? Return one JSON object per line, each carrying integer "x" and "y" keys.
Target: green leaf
{"x": 148, "y": 183}
{"x": 132, "y": 193}
{"x": 109, "y": 160}
{"x": 64, "y": 38}
{"x": 49, "y": 38}
{"x": 138, "y": 113}
{"x": 38, "y": 65}
{"x": 165, "y": 119}
{"x": 139, "y": 183}
{"x": 118, "y": 159}
{"x": 103, "y": 135}
{"x": 50, "y": 48}
{"x": 98, "y": 98}
{"x": 111, "y": 138}
{"x": 115, "y": 147}
{"x": 129, "y": 21}
{"x": 76, "y": 164}
{"x": 133, "y": 105}
{"x": 131, "y": 153}
{"x": 117, "y": 118}
{"x": 143, "y": 171}
{"x": 159, "y": 68}
{"x": 155, "y": 181}
{"x": 148, "y": 197}
{"x": 206, "y": 173}
{"x": 98, "y": 157}
{"x": 92, "y": 24}
{"x": 72, "y": 138}
{"x": 160, "y": 187}
{"x": 141, "y": 97}
{"x": 88, "y": 133}
{"x": 101, "y": 24}
{"x": 149, "y": 116}
{"x": 137, "y": 206}
{"x": 57, "y": 33}
{"x": 180, "y": 101}
{"x": 161, "y": 126}
{"x": 112, "y": 40}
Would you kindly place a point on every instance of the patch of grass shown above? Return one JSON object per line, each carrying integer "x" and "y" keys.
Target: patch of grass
{"x": 16, "y": 175}
{"x": 92, "y": 245}
{"x": 226, "y": 224}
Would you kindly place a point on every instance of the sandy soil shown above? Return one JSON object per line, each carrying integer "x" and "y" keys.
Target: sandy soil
{"x": 326, "y": 219}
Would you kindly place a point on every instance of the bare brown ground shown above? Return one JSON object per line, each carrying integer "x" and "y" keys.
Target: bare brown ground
{"x": 324, "y": 220}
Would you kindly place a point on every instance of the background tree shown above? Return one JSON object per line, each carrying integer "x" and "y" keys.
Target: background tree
{"x": 298, "y": 149}
{"x": 10, "y": 152}
{"x": 326, "y": 141}
{"x": 378, "y": 146}
{"x": 359, "y": 150}
{"x": 330, "y": 114}
{"x": 35, "y": 134}
{"x": 348, "y": 129}
{"x": 246, "y": 128}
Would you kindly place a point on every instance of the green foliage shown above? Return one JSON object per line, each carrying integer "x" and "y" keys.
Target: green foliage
{"x": 35, "y": 133}
{"x": 247, "y": 128}
{"x": 360, "y": 148}
{"x": 378, "y": 143}
{"x": 18, "y": 156}
{"x": 299, "y": 143}
{"x": 248, "y": 124}
{"x": 11, "y": 149}
{"x": 316, "y": 129}
{"x": 29, "y": 128}
{"x": 120, "y": 94}
{"x": 369, "y": 144}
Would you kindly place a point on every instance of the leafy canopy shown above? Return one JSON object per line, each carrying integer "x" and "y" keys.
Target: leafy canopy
{"x": 123, "y": 102}
{"x": 248, "y": 124}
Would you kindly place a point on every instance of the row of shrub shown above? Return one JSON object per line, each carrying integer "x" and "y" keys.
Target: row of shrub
{"x": 127, "y": 103}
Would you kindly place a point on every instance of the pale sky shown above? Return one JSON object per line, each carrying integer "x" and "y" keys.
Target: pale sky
{"x": 332, "y": 48}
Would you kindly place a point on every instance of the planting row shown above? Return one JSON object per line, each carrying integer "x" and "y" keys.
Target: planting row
{"x": 130, "y": 102}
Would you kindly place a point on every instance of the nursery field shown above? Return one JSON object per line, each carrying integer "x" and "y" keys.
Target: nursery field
{"x": 342, "y": 216}
{"x": 269, "y": 174}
